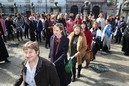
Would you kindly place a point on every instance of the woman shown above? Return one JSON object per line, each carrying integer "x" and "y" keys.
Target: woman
{"x": 3, "y": 51}
{"x": 36, "y": 70}
{"x": 26, "y": 26}
{"x": 78, "y": 19}
{"x": 69, "y": 25}
{"x": 106, "y": 36}
{"x": 32, "y": 27}
{"x": 88, "y": 35}
{"x": 77, "y": 48}
{"x": 19, "y": 22}
{"x": 48, "y": 29}
{"x": 61, "y": 19}
{"x": 96, "y": 34}
{"x": 58, "y": 51}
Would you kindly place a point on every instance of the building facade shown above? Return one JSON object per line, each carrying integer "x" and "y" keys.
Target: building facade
{"x": 96, "y": 6}
{"x": 69, "y": 6}
{"x": 25, "y": 6}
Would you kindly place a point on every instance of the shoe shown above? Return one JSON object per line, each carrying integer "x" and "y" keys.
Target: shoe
{"x": 78, "y": 75}
{"x": 73, "y": 80}
{"x": 7, "y": 61}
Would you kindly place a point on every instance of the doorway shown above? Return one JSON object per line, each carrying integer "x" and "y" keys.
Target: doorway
{"x": 74, "y": 10}
{"x": 96, "y": 11}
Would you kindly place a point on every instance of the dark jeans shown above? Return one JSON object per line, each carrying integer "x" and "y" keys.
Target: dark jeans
{"x": 10, "y": 34}
{"x": 118, "y": 38}
{"x": 38, "y": 35}
{"x": 19, "y": 34}
{"x": 32, "y": 36}
{"x": 26, "y": 33}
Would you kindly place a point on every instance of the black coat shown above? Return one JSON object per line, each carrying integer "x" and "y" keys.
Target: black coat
{"x": 32, "y": 26}
{"x": 45, "y": 75}
{"x": 61, "y": 53}
{"x": 125, "y": 42}
{"x": 9, "y": 25}
{"x": 3, "y": 51}
{"x": 61, "y": 57}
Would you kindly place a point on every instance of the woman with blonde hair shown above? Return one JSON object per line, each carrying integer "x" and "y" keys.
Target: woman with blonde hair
{"x": 96, "y": 41}
{"x": 58, "y": 52}
{"x": 77, "y": 49}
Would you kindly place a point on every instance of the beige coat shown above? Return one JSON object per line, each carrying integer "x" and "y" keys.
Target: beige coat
{"x": 81, "y": 46}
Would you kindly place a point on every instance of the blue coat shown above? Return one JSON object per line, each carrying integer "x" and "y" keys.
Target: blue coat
{"x": 39, "y": 25}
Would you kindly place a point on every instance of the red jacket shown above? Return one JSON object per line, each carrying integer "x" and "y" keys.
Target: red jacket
{"x": 89, "y": 38}
{"x": 78, "y": 21}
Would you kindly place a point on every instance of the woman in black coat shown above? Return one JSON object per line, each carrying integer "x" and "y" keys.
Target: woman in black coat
{"x": 58, "y": 52}
{"x": 3, "y": 51}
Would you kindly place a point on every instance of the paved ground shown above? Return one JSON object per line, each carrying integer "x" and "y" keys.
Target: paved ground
{"x": 116, "y": 63}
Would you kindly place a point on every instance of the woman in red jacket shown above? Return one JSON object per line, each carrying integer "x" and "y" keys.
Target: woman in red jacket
{"x": 89, "y": 41}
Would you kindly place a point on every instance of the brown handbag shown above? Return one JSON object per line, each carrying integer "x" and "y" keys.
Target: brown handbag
{"x": 89, "y": 55}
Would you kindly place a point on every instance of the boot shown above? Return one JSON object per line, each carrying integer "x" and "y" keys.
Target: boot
{"x": 79, "y": 70}
{"x": 87, "y": 63}
{"x": 73, "y": 73}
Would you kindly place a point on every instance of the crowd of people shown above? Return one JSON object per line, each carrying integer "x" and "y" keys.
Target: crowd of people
{"x": 65, "y": 36}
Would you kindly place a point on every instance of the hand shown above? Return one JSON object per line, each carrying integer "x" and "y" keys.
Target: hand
{"x": 54, "y": 64}
{"x": 75, "y": 55}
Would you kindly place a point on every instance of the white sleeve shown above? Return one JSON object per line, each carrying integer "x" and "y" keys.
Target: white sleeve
{"x": 103, "y": 33}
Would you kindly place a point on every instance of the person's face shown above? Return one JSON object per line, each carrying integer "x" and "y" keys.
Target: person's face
{"x": 121, "y": 19}
{"x": 95, "y": 25}
{"x": 30, "y": 55}
{"x": 8, "y": 18}
{"x": 77, "y": 30}
{"x": 106, "y": 22}
{"x": 48, "y": 17}
{"x": 83, "y": 26}
{"x": 57, "y": 32}
{"x": 93, "y": 17}
{"x": 78, "y": 16}
{"x": 89, "y": 17}
{"x": 101, "y": 15}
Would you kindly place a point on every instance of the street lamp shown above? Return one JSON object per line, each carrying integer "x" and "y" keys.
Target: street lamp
{"x": 86, "y": 8}
{"x": 126, "y": 9}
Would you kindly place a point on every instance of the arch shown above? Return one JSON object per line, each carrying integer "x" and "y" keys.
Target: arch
{"x": 96, "y": 11}
{"x": 74, "y": 10}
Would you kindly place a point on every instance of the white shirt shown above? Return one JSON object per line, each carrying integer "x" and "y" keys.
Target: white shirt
{"x": 101, "y": 21}
{"x": 98, "y": 33}
{"x": 30, "y": 74}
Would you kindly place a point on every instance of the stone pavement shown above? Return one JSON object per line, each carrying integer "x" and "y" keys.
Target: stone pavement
{"x": 116, "y": 63}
